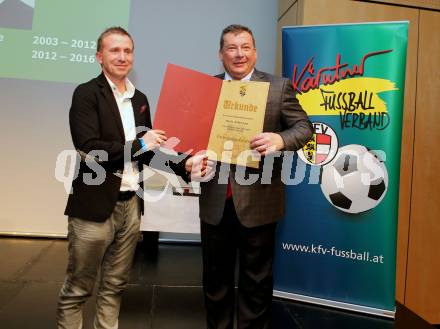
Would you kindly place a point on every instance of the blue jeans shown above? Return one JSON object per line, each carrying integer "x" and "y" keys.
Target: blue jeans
{"x": 108, "y": 246}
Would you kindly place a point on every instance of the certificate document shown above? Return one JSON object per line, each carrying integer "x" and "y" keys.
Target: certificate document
{"x": 205, "y": 113}
{"x": 239, "y": 116}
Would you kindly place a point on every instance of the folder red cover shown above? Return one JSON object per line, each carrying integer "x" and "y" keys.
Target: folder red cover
{"x": 186, "y": 107}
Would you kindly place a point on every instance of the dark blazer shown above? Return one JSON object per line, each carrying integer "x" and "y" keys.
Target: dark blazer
{"x": 258, "y": 203}
{"x": 95, "y": 124}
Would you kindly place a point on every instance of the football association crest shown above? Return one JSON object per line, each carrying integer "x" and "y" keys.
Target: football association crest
{"x": 322, "y": 147}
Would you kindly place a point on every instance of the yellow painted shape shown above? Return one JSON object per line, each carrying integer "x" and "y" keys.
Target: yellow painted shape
{"x": 313, "y": 101}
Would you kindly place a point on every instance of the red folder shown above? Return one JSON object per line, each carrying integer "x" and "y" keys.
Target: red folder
{"x": 186, "y": 107}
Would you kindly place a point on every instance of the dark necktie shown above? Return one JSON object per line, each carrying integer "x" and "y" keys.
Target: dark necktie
{"x": 229, "y": 191}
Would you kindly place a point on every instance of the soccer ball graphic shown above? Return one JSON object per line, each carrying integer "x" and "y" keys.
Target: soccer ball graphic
{"x": 356, "y": 180}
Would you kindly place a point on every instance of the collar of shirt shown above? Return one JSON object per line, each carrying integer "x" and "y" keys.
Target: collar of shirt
{"x": 129, "y": 89}
{"x": 246, "y": 78}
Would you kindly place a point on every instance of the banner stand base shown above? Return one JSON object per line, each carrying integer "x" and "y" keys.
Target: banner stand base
{"x": 335, "y": 304}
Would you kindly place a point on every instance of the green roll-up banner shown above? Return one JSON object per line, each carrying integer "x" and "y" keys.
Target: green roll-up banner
{"x": 337, "y": 244}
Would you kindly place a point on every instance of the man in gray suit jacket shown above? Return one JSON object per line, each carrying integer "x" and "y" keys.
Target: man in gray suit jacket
{"x": 241, "y": 219}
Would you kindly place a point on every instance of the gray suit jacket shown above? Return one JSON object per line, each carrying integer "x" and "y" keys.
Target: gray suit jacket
{"x": 260, "y": 203}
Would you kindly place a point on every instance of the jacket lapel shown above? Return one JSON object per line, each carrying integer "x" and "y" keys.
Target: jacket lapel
{"x": 260, "y": 76}
{"x": 257, "y": 76}
{"x": 108, "y": 96}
